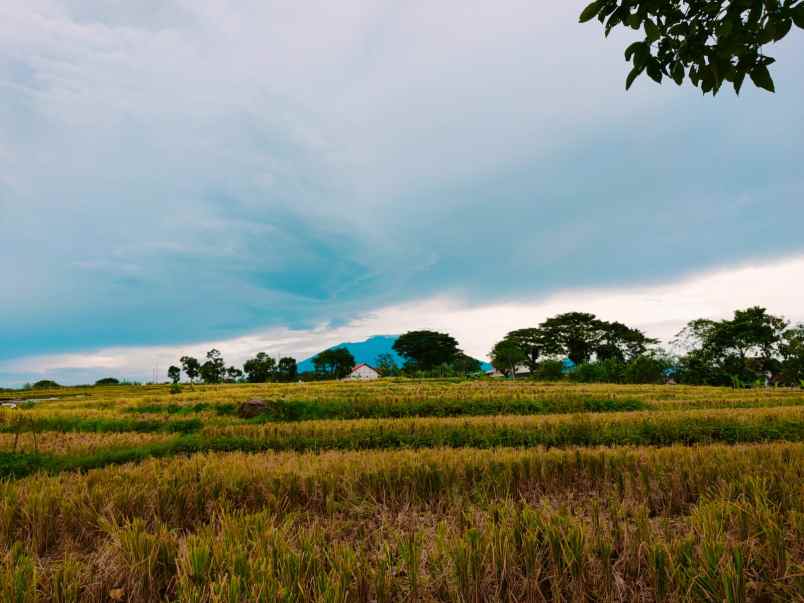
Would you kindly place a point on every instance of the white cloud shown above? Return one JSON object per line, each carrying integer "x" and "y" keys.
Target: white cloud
{"x": 661, "y": 311}
{"x": 182, "y": 169}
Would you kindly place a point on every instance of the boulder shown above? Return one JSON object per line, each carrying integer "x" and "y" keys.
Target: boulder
{"x": 252, "y": 408}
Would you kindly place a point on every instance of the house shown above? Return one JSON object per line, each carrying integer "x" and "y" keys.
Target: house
{"x": 363, "y": 371}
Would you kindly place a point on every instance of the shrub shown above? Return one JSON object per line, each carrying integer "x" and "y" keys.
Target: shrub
{"x": 645, "y": 369}
{"x": 550, "y": 370}
{"x": 45, "y": 384}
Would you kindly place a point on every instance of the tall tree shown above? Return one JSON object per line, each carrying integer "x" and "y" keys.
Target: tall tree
{"x": 531, "y": 343}
{"x": 191, "y": 367}
{"x": 386, "y": 365}
{"x": 335, "y": 363}
{"x": 286, "y": 369}
{"x": 743, "y": 347}
{"x": 792, "y": 353}
{"x": 619, "y": 342}
{"x": 214, "y": 369}
{"x": 707, "y": 41}
{"x": 425, "y": 350}
{"x": 233, "y": 374}
{"x": 463, "y": 364}
{"x": 506, "y": 355}
{"x": 260, "y": 369}
{"x": 574, "y": 334}
{"x": 174, "y": 374}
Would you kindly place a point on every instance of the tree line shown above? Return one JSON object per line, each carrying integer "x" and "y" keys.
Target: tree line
{"x": 424, "y": 354}
{"x": 751, "y": 347}
{"x": 260, "y": 369}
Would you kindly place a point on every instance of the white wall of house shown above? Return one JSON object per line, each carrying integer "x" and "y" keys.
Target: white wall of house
{"x": 363, "y": 371}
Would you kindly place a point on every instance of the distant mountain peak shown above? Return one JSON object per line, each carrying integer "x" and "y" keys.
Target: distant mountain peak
{"x": 366, "y": 351}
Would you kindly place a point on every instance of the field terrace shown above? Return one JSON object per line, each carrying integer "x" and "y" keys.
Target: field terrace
{"x": 400, "y": 490}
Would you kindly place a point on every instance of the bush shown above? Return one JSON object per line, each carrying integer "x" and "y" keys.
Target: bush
{"x": 550, "y": 370}
{"x": 45, "y": 384}
{"x": 107, "y": 381}
{"x": 605, "y": 371}
{"x": 645, "y": 369}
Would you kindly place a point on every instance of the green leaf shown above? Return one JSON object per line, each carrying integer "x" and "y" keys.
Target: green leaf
{"x": 738, "y": 81}
{"x": 590, "y": 12}
{"x": 634, "y": 21}
{"x": 707, "y": 79}
{"x": 678, "y": 73}
{"x": 651, "y": 31}
{"x": 655, "y": 71}
{"x": 632, "y": 76}
{"x": 632, "y": 48}
{"x": 762, "y": 78}
{"x": 641, "y": 56}
{"x": 798, "y": 15}
{"x": 783, "y": 29}
{"x": 695, "y": 76}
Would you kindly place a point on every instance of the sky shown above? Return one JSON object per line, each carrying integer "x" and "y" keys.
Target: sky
{"x": 279, "y": 177}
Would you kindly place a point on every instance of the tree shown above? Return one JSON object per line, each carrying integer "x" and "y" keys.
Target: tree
{"x": 619, "y": 342}
{"x": 531, "y": 342}
{"x": 107, "y": 381}
{"x": 573, "y": 334}
{"x": 335, "y": 363}
{"x": 741, "y": 349}
{"x": 214, "y": 369}
{"x": 792, "y": 353}
{"x": 45, "y": 384}
{"x": 174, "y": 374}
{"x": 260, "y": 369}
{"x": 706, "y": 41}
{"x": 233, "y": 374}
{"x": 386, "y": 365}
{"x": 425, "y": 350}
{"x": 506, "y": 356}
{"x": 286, "y": 369}
{"x": 191, "y": 367}
{"x": 464, "y": 364}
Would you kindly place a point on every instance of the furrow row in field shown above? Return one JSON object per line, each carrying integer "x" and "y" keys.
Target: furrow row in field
{"x": 645, "y": 428}
{"x": 672, "y": 523}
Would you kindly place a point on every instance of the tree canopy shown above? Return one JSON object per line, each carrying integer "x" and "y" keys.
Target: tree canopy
{"x": 530, "y": 342}
{"x": 191, "y": 367}
{"x": 45, "y": 384}
{"x": 742, "y": 348}
{"x": 506, "y": 355}
{"x": 259, "y": 369}
{"x": 580, "y": 336}
{"x": 214, "y": 369}
{"x": 426, "y": 349}
{"x": 336, "y": 363}
{"x": 174, "y": 374}
{"x": 286, "y": 369}
{"x": 708, "y": 42}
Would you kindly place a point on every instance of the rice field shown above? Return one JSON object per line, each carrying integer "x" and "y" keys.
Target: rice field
{"x": 402, "y": 490}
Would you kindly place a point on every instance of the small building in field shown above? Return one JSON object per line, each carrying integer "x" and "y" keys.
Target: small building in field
{"x": 362, "y": 372}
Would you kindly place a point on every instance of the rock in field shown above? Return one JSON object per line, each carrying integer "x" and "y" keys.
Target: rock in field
{"x": 251, "y": 408}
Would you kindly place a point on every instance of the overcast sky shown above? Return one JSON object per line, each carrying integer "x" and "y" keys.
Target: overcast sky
{"x": 283, "y": 176}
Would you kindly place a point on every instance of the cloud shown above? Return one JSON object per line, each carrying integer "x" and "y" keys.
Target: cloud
{"x": 178, "y": 172}
{"x": 661, "y": 311}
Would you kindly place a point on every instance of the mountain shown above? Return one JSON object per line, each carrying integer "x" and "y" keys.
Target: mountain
{"x": 367, "y": 351}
